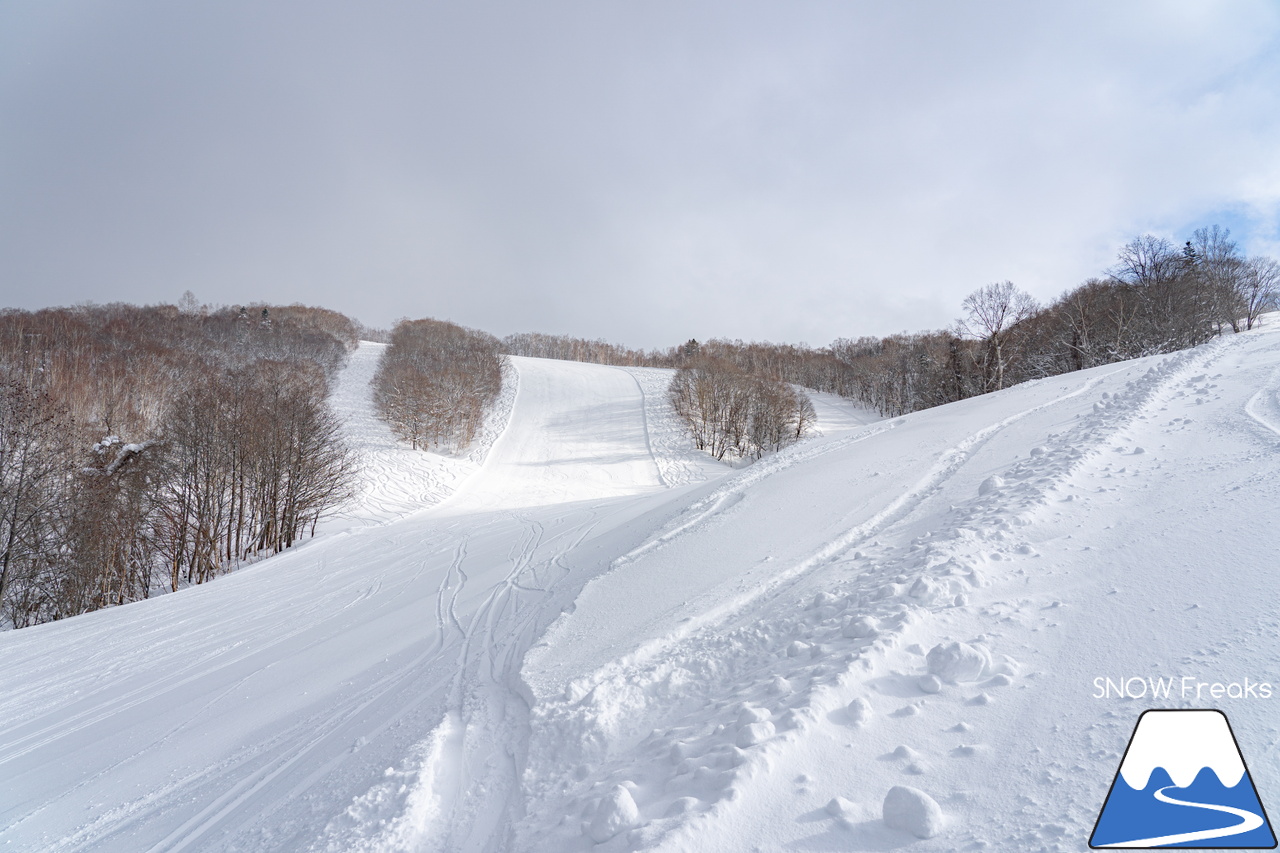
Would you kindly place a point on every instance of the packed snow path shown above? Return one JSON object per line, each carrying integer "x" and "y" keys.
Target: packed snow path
{"x": 283, "y": 707}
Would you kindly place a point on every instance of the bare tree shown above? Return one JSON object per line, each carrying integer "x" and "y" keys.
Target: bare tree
{"x": 1177, "y": 308}
{"x": 1215, "y": 264}
{"x": 1260, "y": 288}
{"x": 231, "y": 449}
{"x": 34, "y": 468}
{"x": 992, "y": 315}
{"x": 436, "y": 381}
{"x": 730, "y": 412}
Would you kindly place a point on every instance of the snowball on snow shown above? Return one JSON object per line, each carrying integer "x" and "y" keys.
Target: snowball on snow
{"x": 616, "y": 813}
{"x": 953, "y": 662}
{"x": 913, "y": 811}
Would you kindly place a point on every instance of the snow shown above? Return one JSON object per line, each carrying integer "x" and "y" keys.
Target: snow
{"x": 588, "y": 636}
{"x": 395, "y": 480}
{"x": 912, "y": 810}
{"x": 617, "y": 812}
{"x": 953, "y": 662}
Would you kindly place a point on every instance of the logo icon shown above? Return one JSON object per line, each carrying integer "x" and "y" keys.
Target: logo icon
{"x": 1183, "y": 783}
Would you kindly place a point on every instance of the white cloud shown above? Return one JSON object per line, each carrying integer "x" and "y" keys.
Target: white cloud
{"x": 793, "y": 171}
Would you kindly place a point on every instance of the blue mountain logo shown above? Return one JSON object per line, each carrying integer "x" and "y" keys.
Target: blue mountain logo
{"x": 1183, "y": 783}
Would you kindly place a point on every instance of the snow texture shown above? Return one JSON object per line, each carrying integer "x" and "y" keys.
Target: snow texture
{"x": 617, "y": 812}
{"x": 953, "y": 662}
{"x": 912, "y": 810}
{"x": 591, "y": 623}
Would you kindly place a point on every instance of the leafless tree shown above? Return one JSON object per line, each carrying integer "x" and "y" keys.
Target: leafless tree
{"x": 218, "y": 445}
{"x": 992, "y": 315}
{"x": 730, "y": 412}
{"x": 1260, "y": 288}
{"x": 34, "y": 451}
{"x": 436, "y": 381}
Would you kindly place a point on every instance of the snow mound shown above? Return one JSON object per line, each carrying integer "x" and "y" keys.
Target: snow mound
{"x": 957, "y": 662}
{"x": 755, "y": 733}
{"x": 616, "y": 813}
{"x": 861, "y": 627}
{"x": 930, "y": 683}
{"x": 912, "y": 810}
{"x": 859, "y": 711}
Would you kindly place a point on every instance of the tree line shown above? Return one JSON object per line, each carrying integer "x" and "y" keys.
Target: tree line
{"x": 146, "y": 448}
{"x": 436, "y": 381}
{"x": 567, "y": 348}
{"x": 1156, "y": 298}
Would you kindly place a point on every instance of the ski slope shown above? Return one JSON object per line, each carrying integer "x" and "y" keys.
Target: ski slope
{"x": 264, "y": 710}
{"x": 590, "y": 637}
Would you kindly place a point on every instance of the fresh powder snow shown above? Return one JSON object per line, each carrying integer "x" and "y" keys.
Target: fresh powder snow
{"x": 584, "y": 635}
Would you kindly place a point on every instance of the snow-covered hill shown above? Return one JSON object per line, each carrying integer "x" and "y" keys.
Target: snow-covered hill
{"x": 593, "y": 638}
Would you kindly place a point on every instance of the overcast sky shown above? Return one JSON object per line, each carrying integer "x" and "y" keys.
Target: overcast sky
{"x": 639, "y": 171}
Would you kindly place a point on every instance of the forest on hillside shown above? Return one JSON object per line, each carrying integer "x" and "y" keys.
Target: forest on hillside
{"x": 147, "y": 448}
{"x": 436, "y": 381}
{"x": 143, "y": 449}
{"x": 1156, "y": 298}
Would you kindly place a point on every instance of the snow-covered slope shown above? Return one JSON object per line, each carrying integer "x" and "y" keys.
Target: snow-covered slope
{"x": 596, "y": 639}
{"x": 757, "y": 676}
{"x": 394, "y": 479}
{"x": 283, "y": 706}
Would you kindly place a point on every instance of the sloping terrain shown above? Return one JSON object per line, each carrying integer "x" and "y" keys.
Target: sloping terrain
{"x": 771, "y": 689}
{"x": 593, "y": 607}
{"x": 264, "y": 710}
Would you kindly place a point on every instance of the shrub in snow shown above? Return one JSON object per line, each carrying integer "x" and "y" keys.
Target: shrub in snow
{"x": 616, "y": 813}
{"x": 912, "y": 810}
{"x": 953, "y": 662}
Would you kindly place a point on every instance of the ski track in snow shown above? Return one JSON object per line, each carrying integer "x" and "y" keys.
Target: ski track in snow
{"x": 395, "y": 479}
{"x": 1264, "y": 406}
{"x": 484, "y": 650}
{"x": 689, "y": 720}
{"x": 260, "y": 711}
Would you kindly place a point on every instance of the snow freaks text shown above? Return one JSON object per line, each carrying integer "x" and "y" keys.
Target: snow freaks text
{"x": 1184, "y": 687}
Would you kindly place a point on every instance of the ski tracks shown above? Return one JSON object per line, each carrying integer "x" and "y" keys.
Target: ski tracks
{"x": 808, "y": 638}
{"x": 1264, "y": 406}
